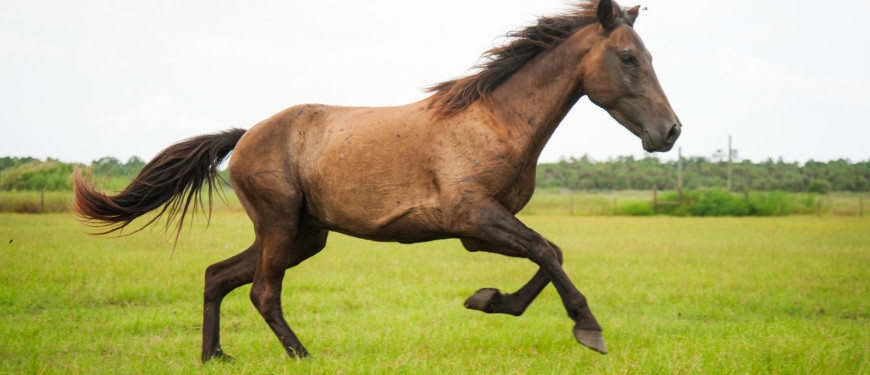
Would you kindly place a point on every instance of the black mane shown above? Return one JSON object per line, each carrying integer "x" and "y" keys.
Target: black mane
{"x": 500, "y": 63}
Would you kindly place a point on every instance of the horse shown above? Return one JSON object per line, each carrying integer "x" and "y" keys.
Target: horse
{"x": 458, "y": 164}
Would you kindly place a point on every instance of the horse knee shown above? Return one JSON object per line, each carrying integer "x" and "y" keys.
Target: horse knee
{"x": 543, "y": 251}
{"x": 264, "y": 300}
{"x": 557, "y": 250}
{"x": 223, "y": 277}
{"x": 257, "y": 297}
{"x": 213, "y": 271}
{"x": 212, "y": 284}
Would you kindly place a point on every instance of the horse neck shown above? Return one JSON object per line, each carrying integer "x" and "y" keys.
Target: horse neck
{"x": 535, "y": 99}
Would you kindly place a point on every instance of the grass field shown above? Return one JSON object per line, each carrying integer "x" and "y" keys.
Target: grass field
{"x": 674, "y": 295}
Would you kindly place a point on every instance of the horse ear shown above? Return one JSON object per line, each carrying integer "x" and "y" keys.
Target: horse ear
{"x": 632, "y": 14}
{"x": 607, "y": 15}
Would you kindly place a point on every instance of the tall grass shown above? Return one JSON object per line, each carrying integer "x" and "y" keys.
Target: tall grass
{"x": 559, "y": 202}
{"x": 32, "y": 202}
{"x": 714, "y": 202}
{"x": 35, "y": 201}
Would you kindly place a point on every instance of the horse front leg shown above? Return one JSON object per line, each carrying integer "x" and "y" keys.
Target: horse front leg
{"x": 491, "y": 223}
{"x": 493, "y": 301}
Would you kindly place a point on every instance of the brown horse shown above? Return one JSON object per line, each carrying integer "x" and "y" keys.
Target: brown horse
{"x": 459, "y": 164}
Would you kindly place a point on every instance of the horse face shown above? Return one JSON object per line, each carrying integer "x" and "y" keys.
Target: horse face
{"x": 619, "y": 77}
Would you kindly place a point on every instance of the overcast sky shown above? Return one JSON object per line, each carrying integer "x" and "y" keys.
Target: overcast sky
{"x": 84, "y": 79}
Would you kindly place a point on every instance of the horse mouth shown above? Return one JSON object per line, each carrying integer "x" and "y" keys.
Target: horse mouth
{"x": 651, "y": 146}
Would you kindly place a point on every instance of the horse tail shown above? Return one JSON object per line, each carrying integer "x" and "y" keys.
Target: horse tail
{"x": 173, "y": 179}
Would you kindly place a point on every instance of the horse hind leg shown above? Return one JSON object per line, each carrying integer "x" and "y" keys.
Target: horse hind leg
{"x": 493, "y": 301}
{"x": 223, "y": 277}
{"x": 279, "y": 251}
{"x": 220, "y": 279}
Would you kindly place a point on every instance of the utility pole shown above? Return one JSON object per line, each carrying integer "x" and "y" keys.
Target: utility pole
{"x": 680, "y": 175}
{"x": 729, "y": 163}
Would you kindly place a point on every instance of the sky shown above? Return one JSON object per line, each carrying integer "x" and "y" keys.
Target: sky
{"x": 80, "y": 80}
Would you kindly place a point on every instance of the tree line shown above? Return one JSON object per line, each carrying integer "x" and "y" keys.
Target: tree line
{"x": 622, "y": 173}
{"x": 628, "y": 173}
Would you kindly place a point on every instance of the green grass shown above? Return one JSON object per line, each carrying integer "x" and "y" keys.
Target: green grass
{"x": 675, "y": 295}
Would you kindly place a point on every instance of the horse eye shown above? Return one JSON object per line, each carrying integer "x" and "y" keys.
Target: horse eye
{"x": 628, "y": 59}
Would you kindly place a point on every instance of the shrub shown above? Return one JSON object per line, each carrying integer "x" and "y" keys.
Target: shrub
{"x": 635, "y": 209}
{"x": 718, "y": 202}
{"x": 690, "y": 197}
{"x": 818, "y": 187}
{"x": 771, "y": 203}
{"x": 51, "y": 175}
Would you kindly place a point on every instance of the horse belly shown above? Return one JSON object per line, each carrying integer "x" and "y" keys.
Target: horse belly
{"x": 377, "y": 196}
{"x": 368, "y": 173}
{"x": 376, "y": 214}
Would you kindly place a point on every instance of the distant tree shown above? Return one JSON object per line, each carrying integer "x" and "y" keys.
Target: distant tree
{"x": 133, "y": 166}
{"x": 107, "y": 166}
{"x": 7, "y": 162}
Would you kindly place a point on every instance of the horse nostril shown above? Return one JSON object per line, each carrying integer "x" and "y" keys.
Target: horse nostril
{"x": 673, "y": 133}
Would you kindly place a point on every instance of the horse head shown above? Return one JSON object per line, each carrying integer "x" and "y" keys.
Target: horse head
{"x": 618, "y": 76}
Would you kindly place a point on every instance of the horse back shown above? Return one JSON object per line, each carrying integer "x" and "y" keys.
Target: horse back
{"x": 386, "y": 173}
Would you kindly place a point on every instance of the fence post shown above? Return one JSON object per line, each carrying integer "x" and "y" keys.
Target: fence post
{"x": 680, "y": 175}
{"x": 819, "y": 207}
{"x": 572, "y": 203}
{"x": 730, "y": 150}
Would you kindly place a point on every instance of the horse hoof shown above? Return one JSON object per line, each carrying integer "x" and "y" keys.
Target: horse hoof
{"x": 218, "y": 356}
{"x": 298, "y": 354}
{"x": 487, "y": 300}
{"x": 591, "y": 339}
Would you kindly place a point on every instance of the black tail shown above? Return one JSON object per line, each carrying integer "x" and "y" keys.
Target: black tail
{"x": 173, "y": 179}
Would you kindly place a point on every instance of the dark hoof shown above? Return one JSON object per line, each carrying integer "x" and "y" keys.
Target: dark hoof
{"x": 301, "y": 354}
{"x": 487, "y": 300}
{"x": 217, "y": 356}
{"x": 591, "y": 339}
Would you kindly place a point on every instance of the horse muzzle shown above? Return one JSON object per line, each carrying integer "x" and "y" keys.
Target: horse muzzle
{"x": 661, "y": 141}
